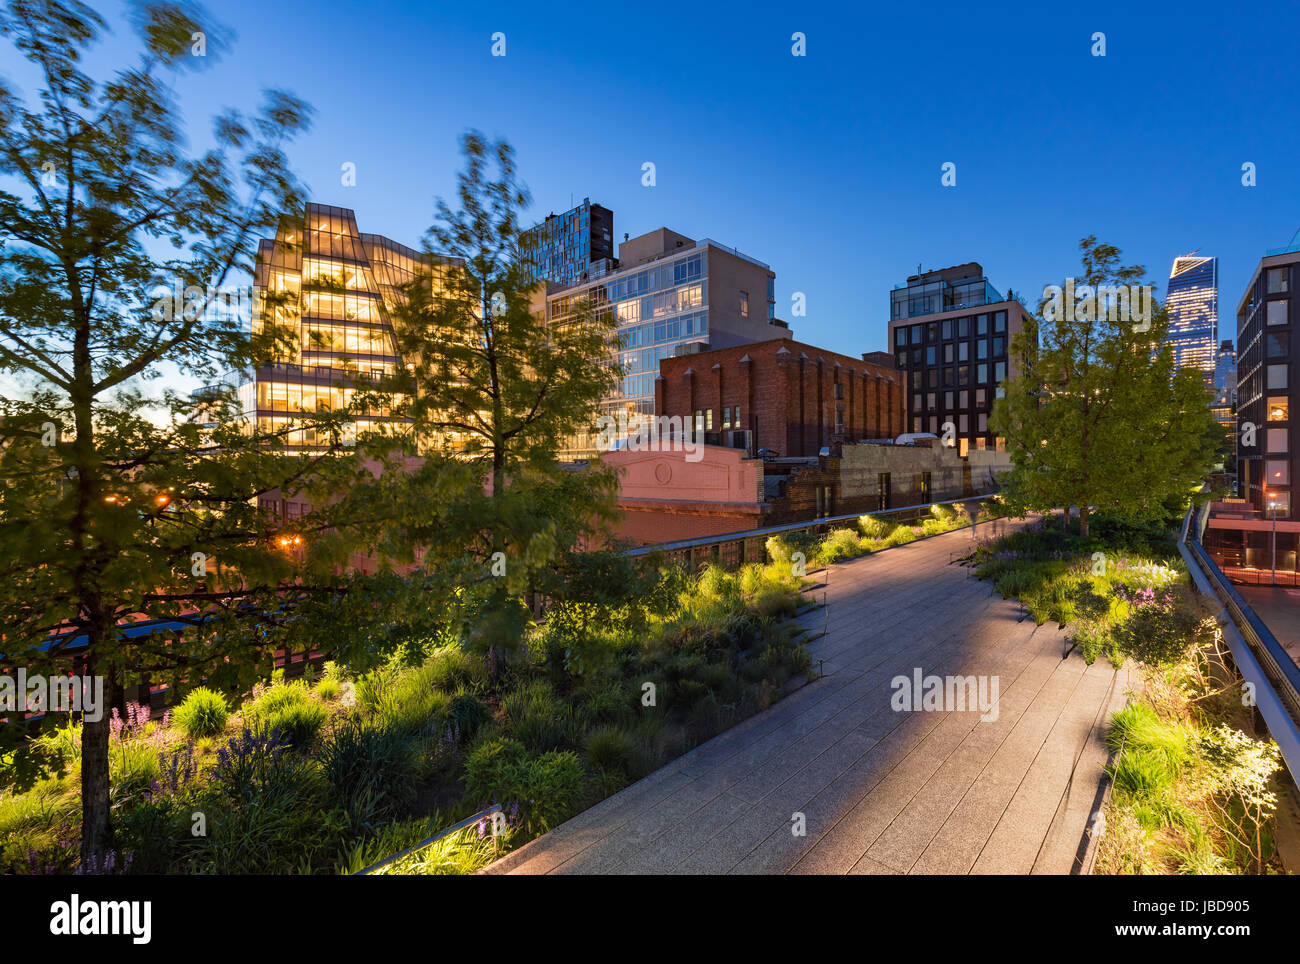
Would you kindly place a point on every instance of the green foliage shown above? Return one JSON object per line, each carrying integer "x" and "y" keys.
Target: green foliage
{"x": 329, "y": 689}
{"x": 611, "y": 747}
{"x": 371, "y": 771}
{"x": 874, "y": 527}
{"x": 289, "y": 709}
{"x": 1086, "y": 391}
{"x": 548, "y": 786}
{"x": 202, "y": 713}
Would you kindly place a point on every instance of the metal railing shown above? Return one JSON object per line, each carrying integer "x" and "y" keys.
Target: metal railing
{"x": 467, "y": 822}
{"x": 1260, "y": 658}
{"x": 735, "y": 549}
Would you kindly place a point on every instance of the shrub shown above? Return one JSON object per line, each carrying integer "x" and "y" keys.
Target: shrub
{"x": 549, "y": 786}
{"x": 289, "y": 709}
{"x": 371, "y": 771}
{"x": 1160, "y": 635}
{"x": 537, "y": 717}
{"x": 874, "y": 527}
{"x": 202, "y": 713}
{"x": 132, "y": 767}
{"x": 611, "y": 747}
{"x": 451, "y": 669}
{"x": 329, "y": 689}
{"x": 840, "y": 544}
{"x": 467, "y": 714}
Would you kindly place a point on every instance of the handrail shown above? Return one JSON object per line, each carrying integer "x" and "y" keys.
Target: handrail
{"x": 1260, "y": 658}
{"x": 744, "y": 534}
{"x": 428, "y": 840}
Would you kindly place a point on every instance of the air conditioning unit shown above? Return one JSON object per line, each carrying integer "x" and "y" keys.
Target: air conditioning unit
{"x": 740, "y": 438}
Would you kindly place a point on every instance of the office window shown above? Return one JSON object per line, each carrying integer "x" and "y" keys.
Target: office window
{"x": 902, "y": 359}
{"x": 1277, "y": 280}
{"x": 1277, "y": 440}
{"x": 999, "y": 321}
{"x": 981, "y": 374}
{"x": 916, "y": 334}
{"x": 900, "y": 337}
{"x": 963, "y": 375}
{"x": 1277, "y": 312}
{"x": 947, "y": 354}
{"x": 947, "y": 330}
{"x": 963, "y": 351}
{"x": 929, "y": 401}
{"x": 1278, "y": 343}
{"x": 947, "y": 401}
{"x": 1277, "y": 376}
{"x": 982, "y": 349}
{"x": 999, "y": 372}
{"x": 984, "y": 422}
{"x": 981, "y": 397}
{"x": 932, "y": 332}
{"x": 999, "y": 347}
{"x": 963, "y": 399}
{"x": 963, "y": 422}
{"x": 916, "y": 403}
{"x": 932, "y": 378}
{"x": 744, "y": 304}
{"x": 1278, "y": 408}
{"x": 916, "y": 423}
{"x": 1277, "y": 472}
{"x": 929, "y": 355}
{"x": 934, "y": 424}
{"x": 981, "y": 325}
{"x": 963, "y": 327}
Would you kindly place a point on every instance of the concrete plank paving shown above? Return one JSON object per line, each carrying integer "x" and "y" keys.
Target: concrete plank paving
{"x": 880, "y": 791}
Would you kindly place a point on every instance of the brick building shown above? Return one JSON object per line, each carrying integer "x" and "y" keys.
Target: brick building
{"x": 781, "y": 395}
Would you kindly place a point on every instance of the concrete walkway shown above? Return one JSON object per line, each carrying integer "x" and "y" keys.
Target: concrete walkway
{"x": 880, "y": 791}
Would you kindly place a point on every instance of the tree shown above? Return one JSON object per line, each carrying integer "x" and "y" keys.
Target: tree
{"x": 1099, "y": 417}
{"x": 494, "y": 387}
{"x": 115, "y": 503}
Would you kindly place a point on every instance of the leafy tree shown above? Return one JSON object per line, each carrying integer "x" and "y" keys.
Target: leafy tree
{"x": 1099, "y": 417}
{"x": 494, "y": 388}
{"x": 114, "y": 501}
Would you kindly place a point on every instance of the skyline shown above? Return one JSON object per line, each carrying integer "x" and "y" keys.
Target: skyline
{"x": 865, "y": 205}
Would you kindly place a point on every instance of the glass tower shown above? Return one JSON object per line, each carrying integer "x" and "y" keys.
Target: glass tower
{"x": 334, "y": 288}
{"x": 1193, "y": 302}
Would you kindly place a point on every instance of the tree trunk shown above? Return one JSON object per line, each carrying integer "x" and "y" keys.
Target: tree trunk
{"x": 1083, "y": 521}
{"x": 94, "y": 770}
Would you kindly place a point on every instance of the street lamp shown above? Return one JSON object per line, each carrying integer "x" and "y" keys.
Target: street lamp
{"x": 1272, "y": 504}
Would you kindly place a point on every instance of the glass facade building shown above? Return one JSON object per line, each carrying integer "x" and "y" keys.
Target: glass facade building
{"x": 932, "y": 292}
{"x": 334, "y": 288}
{"x": 672, "y": 296}
{"x": 1193, "y": 302}
{"x": 571, "y": 247}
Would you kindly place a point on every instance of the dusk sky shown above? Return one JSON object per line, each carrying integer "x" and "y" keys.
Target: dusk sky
{"x": 827, "y": 166}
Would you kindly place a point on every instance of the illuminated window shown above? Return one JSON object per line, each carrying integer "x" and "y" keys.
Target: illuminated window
{"x": 1279, "y": 408}
{"x": 1277, "y": 471}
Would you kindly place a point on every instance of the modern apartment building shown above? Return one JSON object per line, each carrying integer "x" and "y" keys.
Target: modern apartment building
{"x": 1268, "y": 370}
{"x": 335, "y": 288}
{"x": 671, "y": 295}
{"x": 951, "y": 333}
{"x": 571, "y": 247}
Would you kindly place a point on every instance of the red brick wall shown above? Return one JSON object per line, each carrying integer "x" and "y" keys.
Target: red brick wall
{"x": 786, "y": 393}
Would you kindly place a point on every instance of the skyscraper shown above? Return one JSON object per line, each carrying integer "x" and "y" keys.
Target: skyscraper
{"x": 1193, "y": 302}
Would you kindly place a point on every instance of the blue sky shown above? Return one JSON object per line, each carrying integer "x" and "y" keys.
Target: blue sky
{"x": 825, "y": 166}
